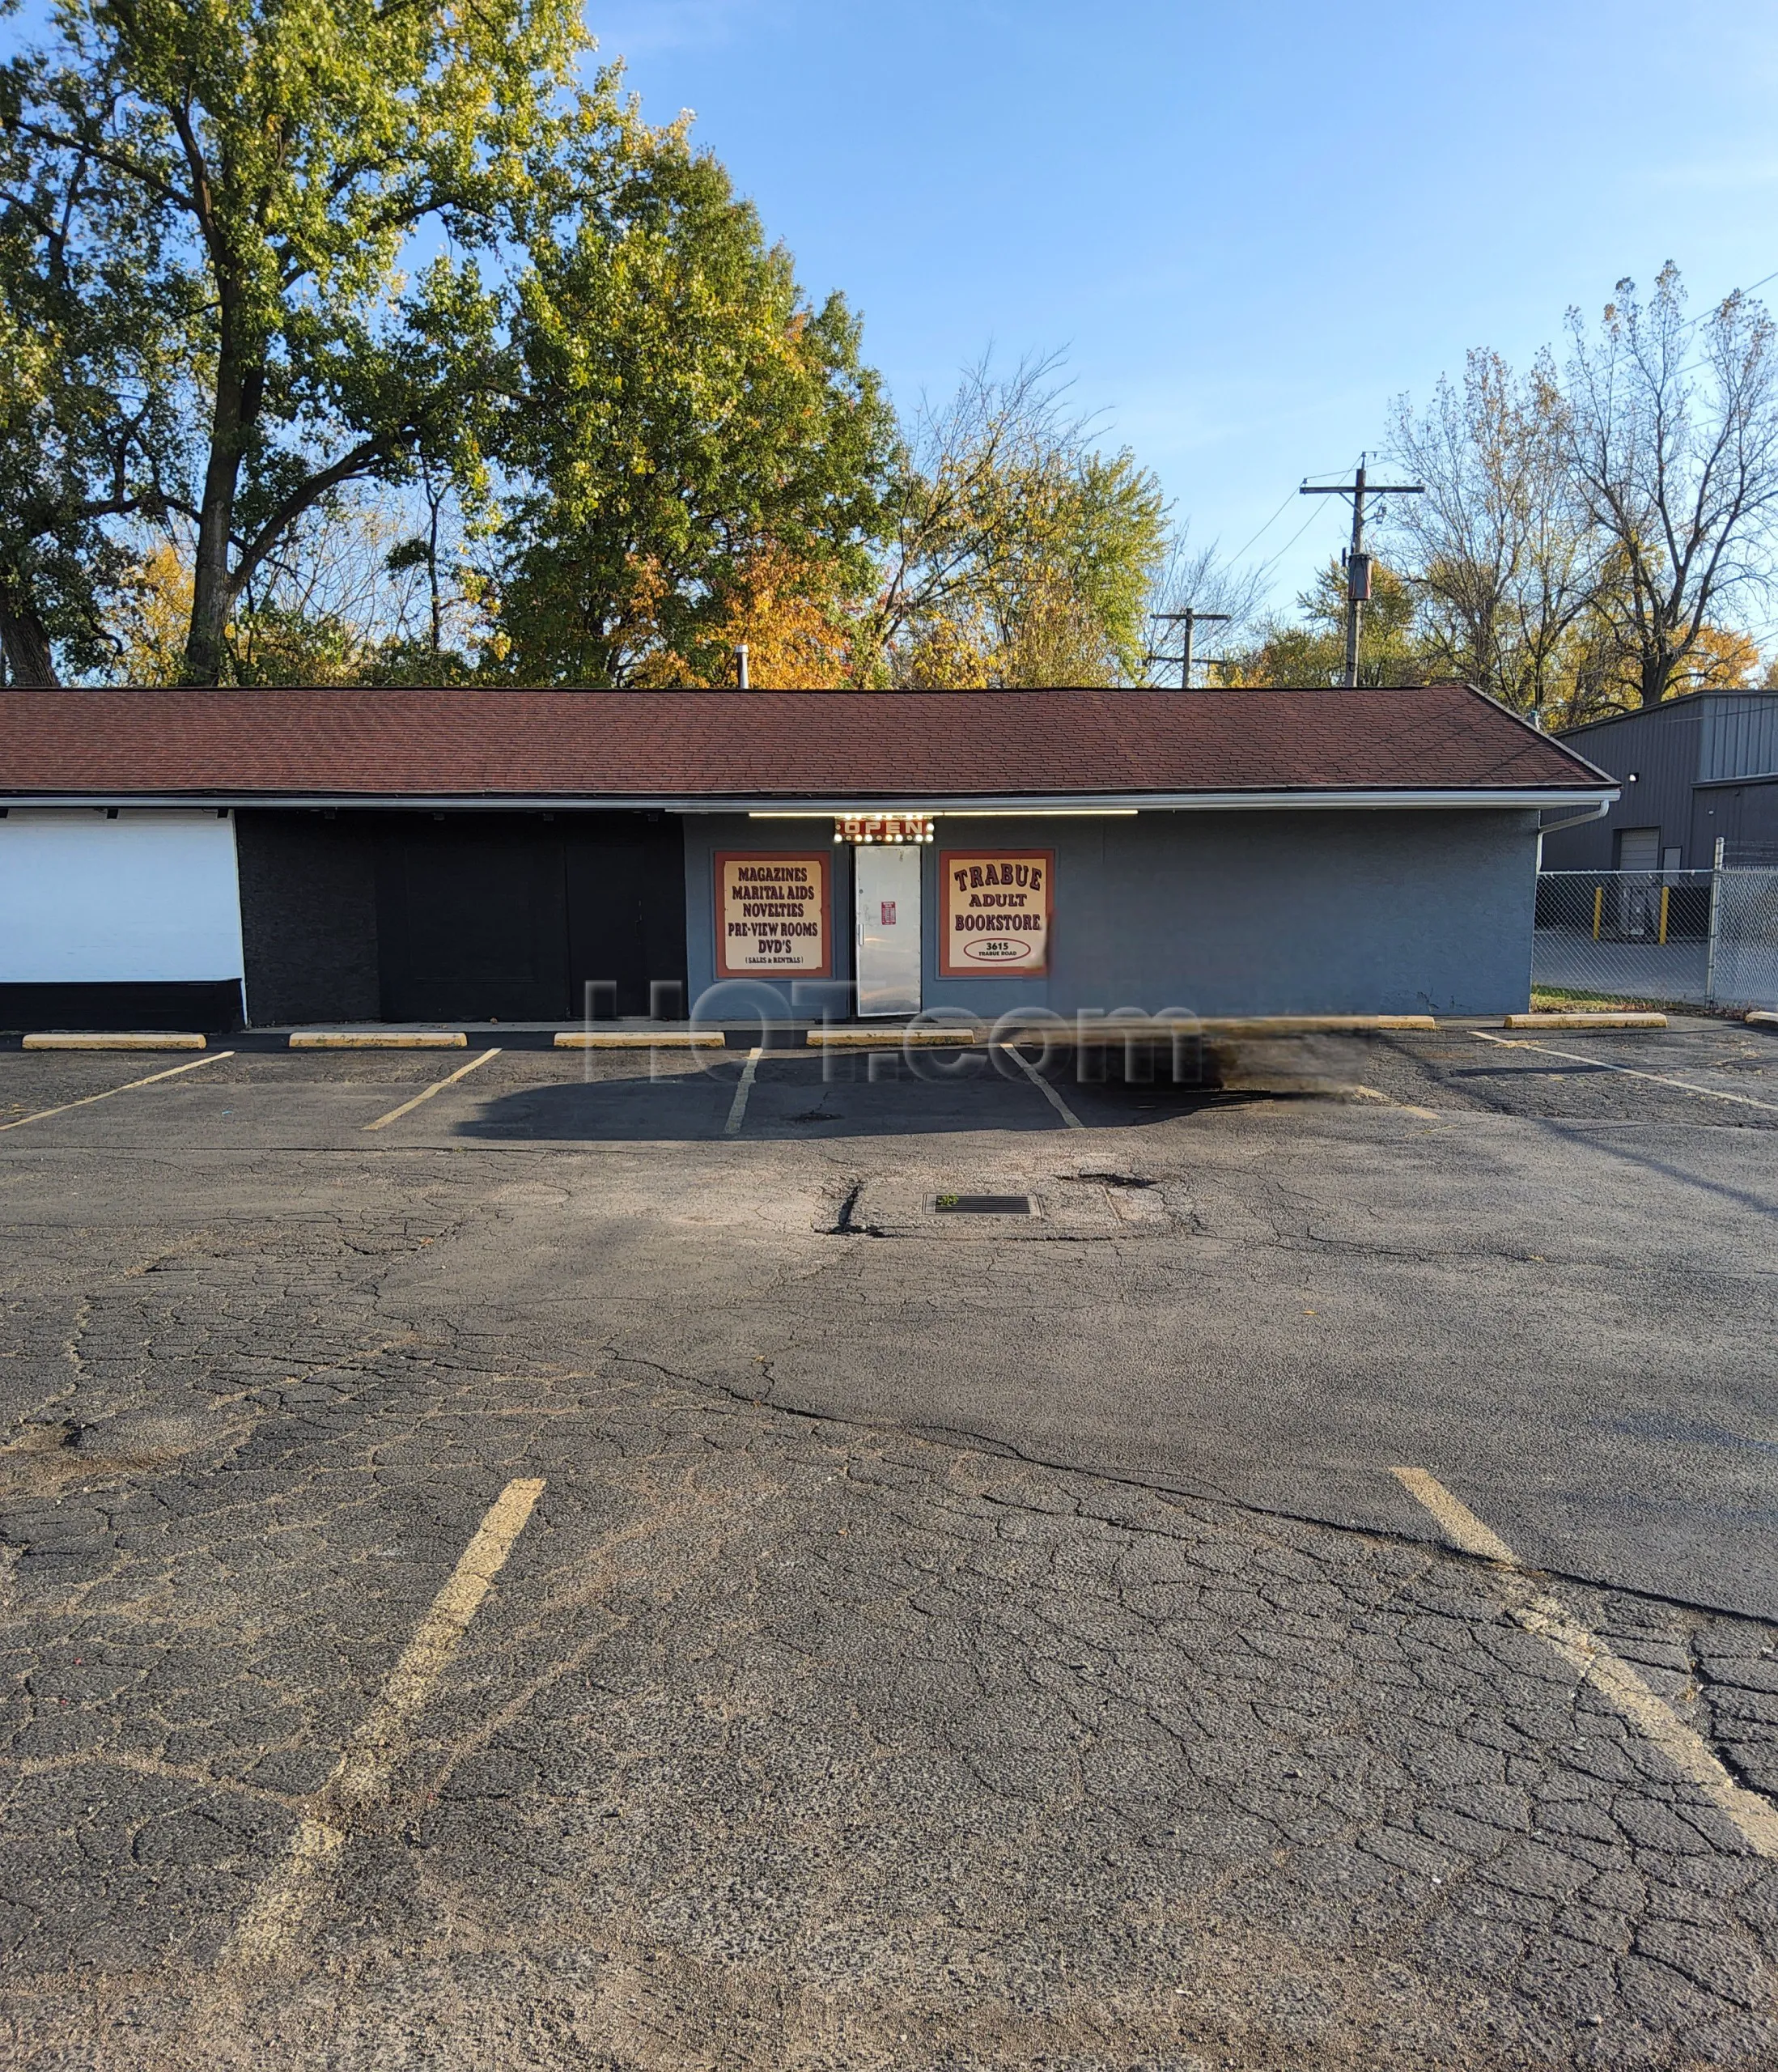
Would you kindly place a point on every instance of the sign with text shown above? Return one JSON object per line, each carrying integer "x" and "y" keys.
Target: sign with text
{"x": 864, "y": 829}
{"x": 996, "y": 915}
{"x": 771, "y": 916}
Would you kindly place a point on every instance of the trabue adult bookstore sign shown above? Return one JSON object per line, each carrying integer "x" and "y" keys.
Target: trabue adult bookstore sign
{"x": 772, "y": 917}
{"x": 995, "y": 914}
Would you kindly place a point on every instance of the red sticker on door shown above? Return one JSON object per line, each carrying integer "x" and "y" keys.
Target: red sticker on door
{"x": 889, "y": 913}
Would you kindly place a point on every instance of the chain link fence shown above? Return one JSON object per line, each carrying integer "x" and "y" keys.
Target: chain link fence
{"x": 1679, "y": 938}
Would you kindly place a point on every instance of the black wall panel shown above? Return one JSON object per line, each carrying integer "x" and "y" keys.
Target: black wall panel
{"x": 626, "y": 909}
{"x": 472, "y": 918}
{"x": 206, "y": 1006}
{"x": 465, "y": 916}
{"x": 308, "y": 915}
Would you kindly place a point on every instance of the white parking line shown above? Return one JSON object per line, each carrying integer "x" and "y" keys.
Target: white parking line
{"x": 1539, "y": 1613}
{"x": 276, "y": 1914}
{"x": 438, "y": 1086}
{"x": 737, "y": 1108}
{"x": 1629, "y": 1072}
{"x": 1043, "y": 1086}
{"x": 86, "y": 1100}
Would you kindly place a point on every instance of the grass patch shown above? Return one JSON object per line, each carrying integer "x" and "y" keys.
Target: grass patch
{"x": 1557, "y": 999}
{"x": 1554, "y": 1000}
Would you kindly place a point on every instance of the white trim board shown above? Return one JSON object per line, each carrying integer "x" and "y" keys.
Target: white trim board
{"x": 939, "y": 803}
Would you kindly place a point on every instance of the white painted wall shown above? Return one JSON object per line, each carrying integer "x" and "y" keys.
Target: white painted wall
{"x": 149, "y": 895}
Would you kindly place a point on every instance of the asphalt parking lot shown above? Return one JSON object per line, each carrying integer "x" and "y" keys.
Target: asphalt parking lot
{"x": 607, "y": 1567}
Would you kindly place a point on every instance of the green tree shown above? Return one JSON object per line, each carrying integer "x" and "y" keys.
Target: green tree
{"x": 93, "y": 325}
{"x": 1015, "y": 552}
{"x": 689, "y": 420}
{"x": 1313, "y": 651}
{"x": 281, "y": 160}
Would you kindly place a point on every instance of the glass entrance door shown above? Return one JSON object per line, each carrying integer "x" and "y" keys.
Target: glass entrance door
{"x": 886, "y": 879}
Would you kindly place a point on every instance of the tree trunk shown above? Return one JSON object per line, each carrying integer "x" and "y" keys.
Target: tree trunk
{"x": 210, "y": 602}
{"x": 1657, "y": 669}
{"x": 24, "y": 643}
{"x": 212, "y": 589}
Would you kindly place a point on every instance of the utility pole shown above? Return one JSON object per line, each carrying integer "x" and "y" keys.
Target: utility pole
{"x": 1358, "y": 563}
{"x": 1190, "y": 619}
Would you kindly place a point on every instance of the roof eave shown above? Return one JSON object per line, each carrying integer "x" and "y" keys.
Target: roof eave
{"x": 1285, "y": 798}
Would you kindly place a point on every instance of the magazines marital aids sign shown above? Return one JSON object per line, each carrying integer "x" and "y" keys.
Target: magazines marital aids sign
{"x": 771, "y": 916}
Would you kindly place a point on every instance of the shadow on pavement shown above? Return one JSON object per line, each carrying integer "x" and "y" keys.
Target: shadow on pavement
{"x": 789, "y": 1100}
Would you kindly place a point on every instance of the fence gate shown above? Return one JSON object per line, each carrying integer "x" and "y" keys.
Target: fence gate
{"x": 1677, "y": 938}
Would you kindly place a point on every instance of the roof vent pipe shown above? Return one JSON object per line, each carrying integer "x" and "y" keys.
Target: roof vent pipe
{"x": 741, "y": 666}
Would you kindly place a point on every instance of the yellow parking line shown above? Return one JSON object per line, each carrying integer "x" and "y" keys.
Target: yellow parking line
{"x": 1388, "y": 1101}
{"x": 86, "y": 1100}
{"x": 1629, "y": 1072}
{"x": 276, "y": 1917}
{"x": 1458, "y": 1523}
{"x": 438, "y": 1086}
{"x": 1546, "y": 1616}
{"x": 737, "y": 1108}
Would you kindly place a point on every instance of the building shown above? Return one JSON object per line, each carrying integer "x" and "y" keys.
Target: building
{"x": 1694, "y": 771}
{"x": 188, "y": 858}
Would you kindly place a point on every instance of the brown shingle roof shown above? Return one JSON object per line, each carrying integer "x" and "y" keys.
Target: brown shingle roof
{"x": 765, "y": 745}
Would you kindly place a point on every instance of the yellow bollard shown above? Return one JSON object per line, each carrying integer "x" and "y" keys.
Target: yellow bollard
{"x": 1665, "y": 890}
{"x": 1598, "y": 909}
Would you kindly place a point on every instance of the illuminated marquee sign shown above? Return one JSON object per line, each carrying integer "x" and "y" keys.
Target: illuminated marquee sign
{"x": 772, "y": 917}
{"x": 862, "y": 828}
{"x": 995, "y": 914}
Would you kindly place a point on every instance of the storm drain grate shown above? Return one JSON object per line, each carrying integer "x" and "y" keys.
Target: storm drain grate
{"x": 983, "y": 1205}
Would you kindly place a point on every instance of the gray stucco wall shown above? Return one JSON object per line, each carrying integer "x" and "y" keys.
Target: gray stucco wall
{"x": 1330, "y": 912}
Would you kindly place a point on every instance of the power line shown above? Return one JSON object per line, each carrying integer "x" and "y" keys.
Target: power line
{"x": 1266, "y": 567}
{"x": 1264, "y": 530}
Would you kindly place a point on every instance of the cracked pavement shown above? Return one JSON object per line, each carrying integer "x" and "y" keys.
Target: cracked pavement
{"x": 984, "y": 1642}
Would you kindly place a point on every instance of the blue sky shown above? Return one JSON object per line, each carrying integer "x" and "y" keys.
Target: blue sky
{"x": 1249, "y": 225}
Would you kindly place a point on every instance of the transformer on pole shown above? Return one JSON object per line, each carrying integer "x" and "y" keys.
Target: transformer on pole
{"x": 1357, "y": 562}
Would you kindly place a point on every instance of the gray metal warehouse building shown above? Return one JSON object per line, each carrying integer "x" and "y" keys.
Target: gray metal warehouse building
{"x": 193, "y": 858}
{"x": 1694, "y": 771}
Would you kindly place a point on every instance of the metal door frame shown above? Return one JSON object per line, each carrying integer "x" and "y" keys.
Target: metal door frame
{"x": 912, "y": 967}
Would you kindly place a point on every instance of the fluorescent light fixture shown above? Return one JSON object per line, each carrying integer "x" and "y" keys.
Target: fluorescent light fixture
{"x": 966, "y": 813}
